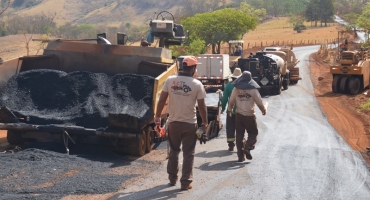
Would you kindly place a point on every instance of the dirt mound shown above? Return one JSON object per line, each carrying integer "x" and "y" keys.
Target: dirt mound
{"x": 80, "y": 98}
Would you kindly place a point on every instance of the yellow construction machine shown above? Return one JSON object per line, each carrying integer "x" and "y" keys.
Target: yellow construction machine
{"x": 351, "y": 73}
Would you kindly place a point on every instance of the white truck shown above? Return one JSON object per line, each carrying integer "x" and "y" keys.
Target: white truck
{"x": 213, "y": 70}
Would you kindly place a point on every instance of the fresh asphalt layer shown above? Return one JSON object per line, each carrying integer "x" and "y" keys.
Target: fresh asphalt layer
{"x": 298, "y": 156}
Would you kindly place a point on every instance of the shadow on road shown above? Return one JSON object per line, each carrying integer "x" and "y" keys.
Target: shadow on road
{"x": 228, "y": 165}
{"x": 212, "y": 154}
{"x": 153, "y": 193}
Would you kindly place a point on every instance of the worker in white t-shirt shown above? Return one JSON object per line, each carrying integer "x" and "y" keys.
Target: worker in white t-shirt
{"x": 245, "y": 96}
{"x": 183, "y": 92}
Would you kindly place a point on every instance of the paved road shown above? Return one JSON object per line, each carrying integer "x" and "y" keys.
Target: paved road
{"x": 298, "y": 156}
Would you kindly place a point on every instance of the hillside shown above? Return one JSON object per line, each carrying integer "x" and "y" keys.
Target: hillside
{"x": 110, "y": 12}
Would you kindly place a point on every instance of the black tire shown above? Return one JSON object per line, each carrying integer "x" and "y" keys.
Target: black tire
{"x": 335, "y": 84}
{"x": 278, "y": 91}
{"x": 149, "y": 139}
{"x": 286, "y": 84}
{"x": 354, "y": 85}
{"x": 293, "y": 82}
{"x": 138, "y": 145}
{"x": 343, "y": 88}
{"x": 15, "y": 137}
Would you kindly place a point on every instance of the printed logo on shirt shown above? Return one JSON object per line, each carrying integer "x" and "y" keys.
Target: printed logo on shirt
{"x": 180, "y": 87}
{"x": 244, "y": 96}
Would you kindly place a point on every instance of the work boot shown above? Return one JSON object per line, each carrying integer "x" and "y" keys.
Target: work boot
{"x": 186, "y": 187}
{"x": 172, "y": 182}
{"x": 248, "y": 154}
{"x": 231, "y": 146}
{"x": 241, "y": 159}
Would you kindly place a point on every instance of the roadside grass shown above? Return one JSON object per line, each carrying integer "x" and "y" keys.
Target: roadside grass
{"x": 365, "y": 106}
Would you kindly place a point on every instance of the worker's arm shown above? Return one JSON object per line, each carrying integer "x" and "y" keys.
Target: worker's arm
{"x": 161, "y": 102}
{"x": 259, "y": 102}
{"x": 225, "y": 98}
{"x": 232, "y": 101}
{"x": 203, "y": 113}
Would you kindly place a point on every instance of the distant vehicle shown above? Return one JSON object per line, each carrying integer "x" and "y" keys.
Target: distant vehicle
{"x": 352, "y": 73}
{"x": 213, "y": 70}
{"x": 290, "y": 59}
{"x": 267, "y": 70}
{"x": 236, "y": 51}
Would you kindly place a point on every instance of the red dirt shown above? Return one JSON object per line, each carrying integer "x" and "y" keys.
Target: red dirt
{"x": 343, "y": 111}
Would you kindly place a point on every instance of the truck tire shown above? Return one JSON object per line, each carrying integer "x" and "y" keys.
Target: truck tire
{"x": 343, "y": 88}
{"x": 335, "y": 84}
{"x": 354, "y": 85}
{"x": 149, "y": 139}
{"x": 15, "y": 137}
{"x": 278, "y": 91}
{"x": 138, "y": 145}
{"x": 286, "y": 82}
{"x": 293, "y": 82}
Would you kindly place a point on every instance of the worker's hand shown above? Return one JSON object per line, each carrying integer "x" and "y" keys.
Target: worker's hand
{"x": 230, "y": 113}
{"x": 204, "y": 127}
{"x": 157, "y": 121}
{"x": 203, "y": 139}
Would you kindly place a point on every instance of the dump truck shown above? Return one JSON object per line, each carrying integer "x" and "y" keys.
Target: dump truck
{"x": 86, "y": 92}
{"x": 291, "y": 61}
{"x": 267, "y": 70}
{"x": 351, "y": 73}
{"x": 213, "y": 70}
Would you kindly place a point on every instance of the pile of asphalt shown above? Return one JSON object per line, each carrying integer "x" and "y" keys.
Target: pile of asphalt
{"x": 37, "y": 173}
{"x": 84, "y": 99}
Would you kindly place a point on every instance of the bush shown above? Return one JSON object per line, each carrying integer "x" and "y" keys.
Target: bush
{"x": 366, "y": 106}
{"x": 299, "y": 28}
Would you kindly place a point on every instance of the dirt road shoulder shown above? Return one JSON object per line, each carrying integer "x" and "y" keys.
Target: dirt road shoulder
{"x": 342, "y": 111}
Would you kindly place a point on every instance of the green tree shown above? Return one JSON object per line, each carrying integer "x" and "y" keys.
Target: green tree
{"x": 351, "y": 18}
{"x": 220, "y": 26}
{"x": 326, "y": 11}
{"x": 312, "y": 12}
{"x": 259, "y": 14}
{"x": 4, "y": 5}
{"x": 363, "y": 20}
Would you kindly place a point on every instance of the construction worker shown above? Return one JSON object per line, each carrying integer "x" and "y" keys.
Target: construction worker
{"x": 245, "y": 95}
{"x": 184, "y": 92}
{"x": 344, "y": 46}
{"x": 230, "y": 120}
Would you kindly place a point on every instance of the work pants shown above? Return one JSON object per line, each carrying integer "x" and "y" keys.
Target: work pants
{"x": 230, "y": 129}
{"x": 242, "y": 124}
{"x": 181, "y": 133}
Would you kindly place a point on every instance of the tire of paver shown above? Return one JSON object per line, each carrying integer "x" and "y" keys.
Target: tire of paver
{"x": 335, "y": 84}
{"x": 138, "y": 145}
{"x": 149, "y": 139}
{"x": 15, "y": 137}
{"x": 343, "y": 88}
{"x": 354, "y": 85}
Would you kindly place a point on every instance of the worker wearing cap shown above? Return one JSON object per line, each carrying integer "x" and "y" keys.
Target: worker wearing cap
{"x": 183, "y": 92}
{"x": 245, "y": 95}
{"x": 230, "y": 120}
